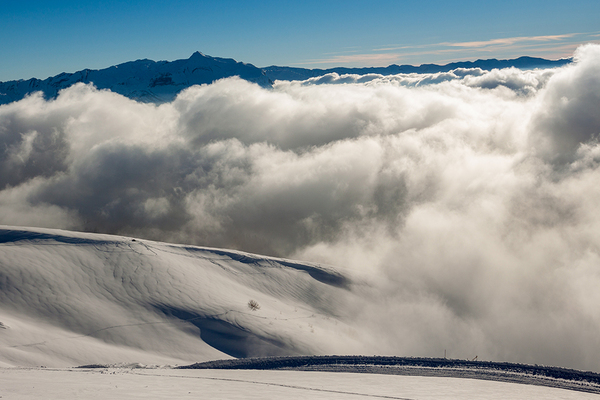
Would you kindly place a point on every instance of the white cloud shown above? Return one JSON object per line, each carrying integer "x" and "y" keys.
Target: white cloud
{"x": 568, "y": 109}
{"x": 466, "y": 202}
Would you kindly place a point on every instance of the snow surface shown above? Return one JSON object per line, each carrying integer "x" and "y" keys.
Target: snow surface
{"x": 218, "y": 384}
{"x": 69, "y": 299}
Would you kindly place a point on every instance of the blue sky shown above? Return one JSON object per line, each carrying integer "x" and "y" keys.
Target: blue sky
{"x": 43, "y": 38}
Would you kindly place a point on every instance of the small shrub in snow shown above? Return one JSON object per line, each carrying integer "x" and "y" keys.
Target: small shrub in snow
{"x": 253, "y": 305}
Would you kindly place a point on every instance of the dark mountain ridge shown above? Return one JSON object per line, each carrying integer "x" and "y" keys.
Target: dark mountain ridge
{"x": 292, "y": 73}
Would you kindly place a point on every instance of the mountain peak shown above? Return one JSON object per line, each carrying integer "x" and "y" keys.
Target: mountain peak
{"x": 198, "y": 54}
{"x": 143, "y": 80}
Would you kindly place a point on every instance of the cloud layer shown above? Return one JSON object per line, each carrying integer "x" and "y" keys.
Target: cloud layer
{"x": 465, "y": 204}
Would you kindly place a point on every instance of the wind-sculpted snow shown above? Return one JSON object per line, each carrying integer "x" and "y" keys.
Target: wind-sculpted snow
{"x": 70, "y": 298}
{"x": 463, "y": 206}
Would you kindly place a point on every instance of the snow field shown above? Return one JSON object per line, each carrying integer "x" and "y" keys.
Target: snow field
{"x": 66, "y": 384}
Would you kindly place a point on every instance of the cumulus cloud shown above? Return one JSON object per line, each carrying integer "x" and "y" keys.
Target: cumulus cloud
{"x": 568, "y": 115}
{"x": 464, "y": 204}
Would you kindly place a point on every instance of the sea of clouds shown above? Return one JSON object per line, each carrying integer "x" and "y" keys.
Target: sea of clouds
{"x": 466, "y": 205}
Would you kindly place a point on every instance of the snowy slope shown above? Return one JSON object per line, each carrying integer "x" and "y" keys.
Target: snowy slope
{"x": 75, "y": 298}
{"x": 136, "y": 383}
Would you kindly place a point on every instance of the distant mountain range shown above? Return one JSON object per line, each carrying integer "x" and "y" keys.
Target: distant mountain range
{"x": 291, "y": 73}
{"x": 160, "y": 81}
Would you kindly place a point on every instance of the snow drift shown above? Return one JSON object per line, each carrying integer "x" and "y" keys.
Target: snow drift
{"x": 464, "y": 206}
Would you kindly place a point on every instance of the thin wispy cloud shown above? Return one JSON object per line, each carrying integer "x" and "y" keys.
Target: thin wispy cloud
{"x": 548, "y": 46}
{"x": 509, "y": 41}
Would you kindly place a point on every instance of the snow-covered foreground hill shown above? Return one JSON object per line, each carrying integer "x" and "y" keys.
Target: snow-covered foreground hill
{"x": 67, "y": 384}
{"x": 69, "y": 299}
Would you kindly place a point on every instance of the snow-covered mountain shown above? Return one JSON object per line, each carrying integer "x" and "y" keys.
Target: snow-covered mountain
{"x": 71, "y": 298}
{"x": 161, "y": 81}
{"x": 144, "y": 80}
